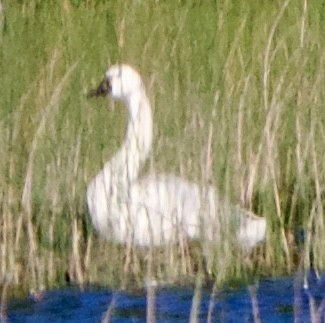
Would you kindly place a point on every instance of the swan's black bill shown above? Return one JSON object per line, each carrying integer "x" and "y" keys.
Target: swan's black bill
{"x": 103, "y": 89}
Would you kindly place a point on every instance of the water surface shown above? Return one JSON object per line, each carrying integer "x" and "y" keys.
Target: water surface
{"x": 278, "y": 300}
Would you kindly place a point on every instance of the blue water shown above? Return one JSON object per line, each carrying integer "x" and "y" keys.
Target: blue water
{"x": 279, "y": 300}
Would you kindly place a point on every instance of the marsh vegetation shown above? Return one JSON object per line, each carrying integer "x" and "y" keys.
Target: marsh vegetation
{"x": 238, "y": 98}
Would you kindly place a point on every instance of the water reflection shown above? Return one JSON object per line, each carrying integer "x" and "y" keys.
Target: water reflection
{"x": 278, "y": 300}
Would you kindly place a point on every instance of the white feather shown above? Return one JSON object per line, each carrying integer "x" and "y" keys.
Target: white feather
{"x": 156, "y": 209}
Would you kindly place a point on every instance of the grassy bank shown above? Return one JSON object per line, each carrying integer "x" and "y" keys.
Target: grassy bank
{"x": 238, "y": 99}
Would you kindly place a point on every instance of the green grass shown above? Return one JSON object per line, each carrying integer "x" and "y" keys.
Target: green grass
{"x": 249, "y": 75}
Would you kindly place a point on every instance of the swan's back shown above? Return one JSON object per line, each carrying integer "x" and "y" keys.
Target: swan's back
{"x": 164, "y": 209}
{"x": 167, "y": 208}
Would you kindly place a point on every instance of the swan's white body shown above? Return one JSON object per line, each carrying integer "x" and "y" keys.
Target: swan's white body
{"x": 154, "y": 210}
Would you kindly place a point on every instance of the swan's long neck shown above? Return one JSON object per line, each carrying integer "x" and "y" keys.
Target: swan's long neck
{"x": 108, "y": 192}
{"x": 138, "y": 139}
{"x": 126, "y": 164}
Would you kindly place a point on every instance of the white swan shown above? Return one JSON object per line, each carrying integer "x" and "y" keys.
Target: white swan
{"x": 158, "y": 209}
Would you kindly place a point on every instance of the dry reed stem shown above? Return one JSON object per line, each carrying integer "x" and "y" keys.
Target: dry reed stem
{"x": 34, "y": 261}
{"x": 312, "y": 308}
{"x": 223, "y": 13}
{"x": 207, "y": 171}
{"x": 212, "y": 302}
{"x": 8, "y": 225}
{"x": 3, "y": 304}
{"x": 49, "y": 112}
{"x": 127, "y": 262}
{"x": 235, "y": 45}
{"x": 188, "y": 265}
{"x": 320, "y": 315}
{"x": 270, "y": 131}
{"x": 303, "y": 23}
{"x": 50, "y": 263}
{"x": 297, "y": 284}
{"x": 195, "y": 308}
{"x": 252, "y": 294}
{"x": 121, "y": 33}
{"x": 108, "y": 314}
{"x": 267, "y": 143}
{"x": 136, "y": 267}
{"x": 87, "y": 257}
{"x": 76, "y": 261}
{"x": 304, "y": 155}
{"x": 151, "y": 291}
{"x": 244, "y": 198}
{"x": 11, "y": 231}
{"x": 2, "y": 19}
{"x": 181, "y": 22}
{"x": 316, "y": 312}
{"x": 75, "y": 158}
{"x": 307, "y": 242}
{"x": 319, "y": 219}
{"x": 267, "y": 62}
{"x": 182, "y": 244}
{"x": 151, "y": 307}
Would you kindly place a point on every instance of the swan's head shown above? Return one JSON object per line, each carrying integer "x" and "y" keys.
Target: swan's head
{"x": 120, "y": 81}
